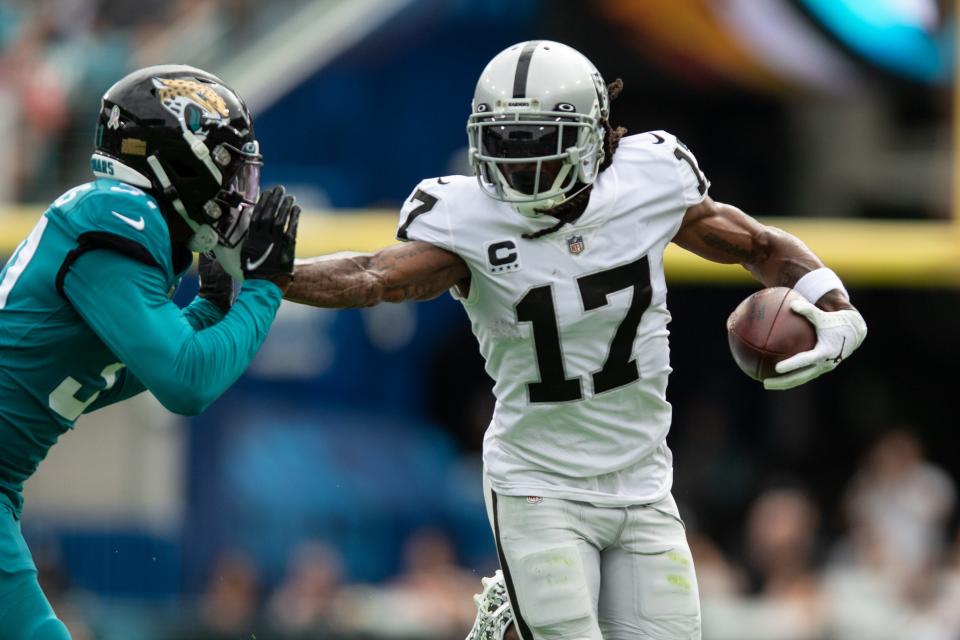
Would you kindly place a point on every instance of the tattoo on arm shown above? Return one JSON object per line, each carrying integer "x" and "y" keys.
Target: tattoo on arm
{"x": 722, "y": 233}
{"x": 740, "y": 253}
{"x": 411, "y": 271}
{"x": 790, "y": 272}
{"x": 774, "y": 257}
{"x": 334, "y": 283}
{"x": 415, "y": 273}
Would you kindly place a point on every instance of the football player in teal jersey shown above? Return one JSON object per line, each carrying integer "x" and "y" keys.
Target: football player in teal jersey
{"x": 86, "y": 318}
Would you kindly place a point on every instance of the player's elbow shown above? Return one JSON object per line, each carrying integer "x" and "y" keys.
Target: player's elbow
{"x": 186, "y": 401}
{"x": 764, "y": 244}
{"x": 782, "y": 248}
{"x": 777, "y": 242}
{"x": 395, "y": 295}
{"x": 374, "y": 290}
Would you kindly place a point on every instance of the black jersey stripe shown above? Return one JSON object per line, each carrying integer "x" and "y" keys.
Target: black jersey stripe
{"x": 523, "y": 69}
{"x": 95, "y": 240}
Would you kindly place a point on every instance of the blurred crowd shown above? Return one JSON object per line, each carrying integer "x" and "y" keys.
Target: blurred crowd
{"x": 890, "y": 571}
{"x": 57, "y": 57}
{"x": 430, "y": 598}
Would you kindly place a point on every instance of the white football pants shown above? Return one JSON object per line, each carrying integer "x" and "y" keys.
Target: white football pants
{"x": 575, "y": 571}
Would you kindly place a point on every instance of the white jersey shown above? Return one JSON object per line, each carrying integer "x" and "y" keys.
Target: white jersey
{"x": 572, "y": 325}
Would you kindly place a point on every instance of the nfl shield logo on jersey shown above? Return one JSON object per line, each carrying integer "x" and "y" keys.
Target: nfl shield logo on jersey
{"x": 575, "y": 244}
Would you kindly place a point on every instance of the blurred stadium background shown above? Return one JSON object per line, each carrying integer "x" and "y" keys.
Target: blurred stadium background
{"x": 334, "y": 492}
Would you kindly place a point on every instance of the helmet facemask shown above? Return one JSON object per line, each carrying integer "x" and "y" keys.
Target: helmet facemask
{"x": 222, "y": 219}
{"x": 238, "y": 199}
{"x": 229, "y": 210}
{"x": 536, "y": 129}
{"x": 533, "y": 159}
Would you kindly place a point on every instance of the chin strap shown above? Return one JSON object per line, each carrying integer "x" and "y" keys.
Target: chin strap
{"x": 535, "y": 209}
{"x": 543, "y": 207}
{"x": 169, "y": 192}
{"x": 204, "y": 238}
{"x": 202, "y": 153}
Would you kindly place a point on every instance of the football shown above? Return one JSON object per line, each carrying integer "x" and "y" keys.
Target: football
{"x": 763, "y": 330}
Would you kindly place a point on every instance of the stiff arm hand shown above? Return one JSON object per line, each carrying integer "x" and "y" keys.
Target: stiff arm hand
{"x": 271, "y": 242}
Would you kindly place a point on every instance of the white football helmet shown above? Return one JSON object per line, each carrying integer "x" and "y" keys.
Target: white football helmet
{"x": 537, "y": 102}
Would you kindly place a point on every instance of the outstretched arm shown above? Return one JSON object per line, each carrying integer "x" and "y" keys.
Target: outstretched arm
{"x": 406, "y": 271}
{"x": 723, "y": 233}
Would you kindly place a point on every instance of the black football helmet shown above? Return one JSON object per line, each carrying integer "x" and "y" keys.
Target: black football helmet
{"x": 188, "y": 137}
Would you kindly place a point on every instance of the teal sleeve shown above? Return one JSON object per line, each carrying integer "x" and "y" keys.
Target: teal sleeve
{"x": 127, "y": 386}
{"x": 201, "y": 313}
{"x": 125, "y": 304}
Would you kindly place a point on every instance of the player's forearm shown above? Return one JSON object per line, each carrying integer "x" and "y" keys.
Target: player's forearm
{"x": 336, "y": 281}
{"x": 188, "y": 369}
{"x": 201, "y": 365}
{"x": 723, "y": 233}
{"x": 783, "y": 259}
{"x": 779, "y": 259}
{"x": 403, "y": 271}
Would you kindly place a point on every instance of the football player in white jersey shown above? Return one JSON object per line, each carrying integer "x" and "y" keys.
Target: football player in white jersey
{"x": 555, "y": 248}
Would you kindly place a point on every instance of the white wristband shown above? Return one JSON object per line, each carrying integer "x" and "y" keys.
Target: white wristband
{"x": 816, "y": 283}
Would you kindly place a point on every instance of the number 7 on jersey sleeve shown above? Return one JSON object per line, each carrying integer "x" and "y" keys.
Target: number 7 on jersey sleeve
{"x": 429, "y": 202}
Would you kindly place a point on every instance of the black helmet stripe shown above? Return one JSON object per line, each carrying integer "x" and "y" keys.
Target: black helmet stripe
{"x": 523, "y": 69}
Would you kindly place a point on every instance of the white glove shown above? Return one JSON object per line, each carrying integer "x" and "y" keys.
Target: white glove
{"x": 839, "y": 333}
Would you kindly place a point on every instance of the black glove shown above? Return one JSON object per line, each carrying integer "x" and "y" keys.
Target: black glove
{"x": 215, "y": 285}
{"x": 272, "y": 238}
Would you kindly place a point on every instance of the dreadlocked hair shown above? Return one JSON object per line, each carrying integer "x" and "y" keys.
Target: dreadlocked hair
{"x": 571, "y": 209}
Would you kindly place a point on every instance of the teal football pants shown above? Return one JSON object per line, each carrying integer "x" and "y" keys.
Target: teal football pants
{"x": 25, "y": 613}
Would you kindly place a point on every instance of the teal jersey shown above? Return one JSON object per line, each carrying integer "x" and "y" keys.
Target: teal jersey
{"x": 86, "y": 320}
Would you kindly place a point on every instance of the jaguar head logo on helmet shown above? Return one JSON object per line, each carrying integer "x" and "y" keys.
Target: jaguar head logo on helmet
{"x": 536, "y": 129}
{"x": 196, "y": 105}
{"x": 187, "y": 136}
